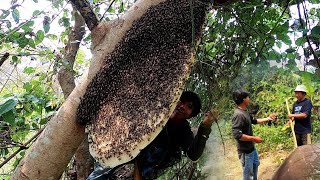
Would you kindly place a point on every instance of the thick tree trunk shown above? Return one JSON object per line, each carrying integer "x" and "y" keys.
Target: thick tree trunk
{"x": 54, "y": 148}
{"x": 84, "y": 160}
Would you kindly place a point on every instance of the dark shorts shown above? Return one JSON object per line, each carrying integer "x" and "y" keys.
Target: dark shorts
{"x": 302, "y": 139}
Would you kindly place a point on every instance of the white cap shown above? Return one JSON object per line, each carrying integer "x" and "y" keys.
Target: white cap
{"x": 301, "y": 88}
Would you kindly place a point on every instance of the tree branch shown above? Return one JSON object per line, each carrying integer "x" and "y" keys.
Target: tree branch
{"x": 65, "y": 74}
{"x": 24, "y": 146}
{"x": 316, "y": 58}
{"x": 266, "y": 39}
{"x": 85, "y": 9}
{"x": 83, "y": 159}
{"x": 4, "y": 58}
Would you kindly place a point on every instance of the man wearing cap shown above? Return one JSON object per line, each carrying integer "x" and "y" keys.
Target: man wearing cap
{"x": 301, "y": 114}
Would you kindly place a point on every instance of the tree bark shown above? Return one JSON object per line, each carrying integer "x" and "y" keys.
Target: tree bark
{"x": 85, "y": 9}
{"x": 54, "y": 148}
{"x": 83, "y": 159}
{"x": 4, "y": 58}
{"x": 65, "y": 74}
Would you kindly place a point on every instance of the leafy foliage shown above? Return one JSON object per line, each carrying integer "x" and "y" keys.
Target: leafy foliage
{"x": 240, "y": 43}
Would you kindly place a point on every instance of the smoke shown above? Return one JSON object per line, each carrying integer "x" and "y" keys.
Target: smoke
{"x": 214, "y": 166}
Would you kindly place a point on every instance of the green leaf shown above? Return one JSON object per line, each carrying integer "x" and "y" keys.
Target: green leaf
{"x": 43, "y": 121}
{"x": 8, "y": 105}
{"x": 65, "y": 22}
{"x": 314, "y": 1}
{"x": 111, "y": 10}
{"x": 16, "y": 15}
{"x": 52, "y": 36}
{"x": 23, "y": 42}
{"x": 27, "y": 86}
{"x": 36, "y": 1}
{"x": 22, "y": 153}
{"x": 46, "y": 24}
{"x": 121, "y": 8}
{"x": 300, "y": 41}
{"x": 31, "y": 43}
{"x": 14, "y": 59}
{"x": 9, "y": 117}
{"x": 274, "y": 55}
{"x": 28, "y": 26}
{"x": 36, "y": 13}
{"x": 5, "y": 14}
{"x": 39, "y": 37}
{"x": 290, "y": 50}
{"x": 29, "y": 70}
{"x": 292, "y": 56}
{"x": 315, "y": 30}
{"x": 46, "y": 27}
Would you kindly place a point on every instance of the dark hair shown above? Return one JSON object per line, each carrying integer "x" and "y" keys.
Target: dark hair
{"x": 239, "y": 95}
{"x": 188, "y": 96}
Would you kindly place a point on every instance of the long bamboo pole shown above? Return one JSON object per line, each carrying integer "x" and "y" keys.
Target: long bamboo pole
{"x": 292, "y": 127}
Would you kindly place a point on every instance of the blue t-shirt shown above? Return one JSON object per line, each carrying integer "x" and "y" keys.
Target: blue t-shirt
{"x": 302, "y": 126}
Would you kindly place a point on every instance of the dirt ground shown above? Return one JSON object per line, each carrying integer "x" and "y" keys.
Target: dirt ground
{"x": 227, "y": 167}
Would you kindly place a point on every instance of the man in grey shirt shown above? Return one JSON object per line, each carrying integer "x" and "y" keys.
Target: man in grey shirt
{"x": 242, "y": 131}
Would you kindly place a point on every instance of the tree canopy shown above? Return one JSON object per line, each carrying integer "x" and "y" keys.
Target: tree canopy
{"x": 264, "y": 46}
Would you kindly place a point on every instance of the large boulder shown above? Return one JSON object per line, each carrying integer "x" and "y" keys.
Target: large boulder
{"x": 302, "y": 164}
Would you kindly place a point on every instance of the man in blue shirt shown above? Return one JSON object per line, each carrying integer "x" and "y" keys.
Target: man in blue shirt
{"x": 301, "y": 114}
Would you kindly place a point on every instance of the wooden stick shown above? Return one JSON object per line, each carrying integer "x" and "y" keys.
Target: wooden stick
{"x": 292, "y": 127}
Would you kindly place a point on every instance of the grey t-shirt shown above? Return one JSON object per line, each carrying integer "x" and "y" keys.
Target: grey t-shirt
{"x": 242, "y": 124}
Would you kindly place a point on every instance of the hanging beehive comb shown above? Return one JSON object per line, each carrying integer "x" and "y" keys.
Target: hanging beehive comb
{"x": 132, "y": 96}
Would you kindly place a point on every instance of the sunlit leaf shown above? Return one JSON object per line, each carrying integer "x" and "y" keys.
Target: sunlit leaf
{"x": 36, "y": 13}
{"x": 31, "y": 43}
{"x": 27, "y": 86}
{"x": 16, "y": 15}
{"x": 29, "y": 70}
{"x": 7, "y": 106}
{"x": 39, "y": 37}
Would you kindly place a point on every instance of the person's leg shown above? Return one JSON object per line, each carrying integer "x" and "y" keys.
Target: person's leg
{"x": 306, "y": 139}
{"x": 247, "y": 166}
{"x": 299, "y": 139}
{"x": 256, "y": 164}
{"x": 309, "y": 138}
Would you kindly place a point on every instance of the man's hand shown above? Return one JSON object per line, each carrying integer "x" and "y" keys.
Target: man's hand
{"x": 289, "y": 122}
{"x": 257, "y": 139}
{"x": 273, "y": 116}
{"x": 291, "y": 116}
{"x": 209, "y": 119}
